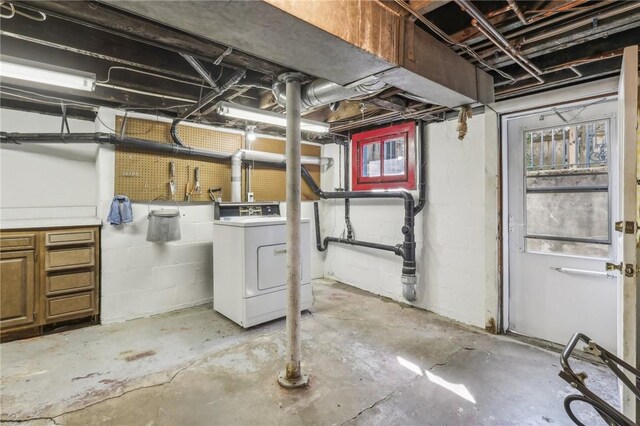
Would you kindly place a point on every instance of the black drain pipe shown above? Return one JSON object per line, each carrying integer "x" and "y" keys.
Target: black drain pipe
{"x": 406, "y": 250}
{"x": 422, "y": 184}
{"x": 214, "y": 94}
{"x": 347, "y": 187}
{"x": 108, "y": 138}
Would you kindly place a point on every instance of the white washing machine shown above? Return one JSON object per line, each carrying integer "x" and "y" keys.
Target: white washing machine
{"x": 250, "y": 263}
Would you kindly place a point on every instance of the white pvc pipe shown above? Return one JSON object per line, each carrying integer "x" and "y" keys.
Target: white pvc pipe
{"x": 265, "y": 157}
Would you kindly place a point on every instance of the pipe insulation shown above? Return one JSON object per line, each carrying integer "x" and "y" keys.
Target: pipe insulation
{"x": 323, "y": 92}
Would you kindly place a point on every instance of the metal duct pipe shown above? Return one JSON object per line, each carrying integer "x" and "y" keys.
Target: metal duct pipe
{"x": 263, "y": 157}
{"x": 323, "y": 92}
{"x": 493, "y": 35}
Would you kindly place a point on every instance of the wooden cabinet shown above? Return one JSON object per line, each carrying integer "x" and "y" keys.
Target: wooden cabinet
{"x": 48, "y": 276}
{"x": 17, "y": 289}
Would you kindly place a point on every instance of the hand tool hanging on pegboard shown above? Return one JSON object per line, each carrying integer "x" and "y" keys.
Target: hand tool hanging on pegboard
{"x": 172, "y": 178}
{"x": 197, "y": 178}
{"x": 189, "y": 187}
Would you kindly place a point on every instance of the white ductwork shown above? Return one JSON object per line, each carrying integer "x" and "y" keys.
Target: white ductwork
{"x": 263, "y": 157}
{"x": 324, "y": 92}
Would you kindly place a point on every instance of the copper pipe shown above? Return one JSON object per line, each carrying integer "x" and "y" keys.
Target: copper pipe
{"x": 491, "y": 33}
{"x": 498, "y": 12}
{"x": 582, "y": 22}
{"x": 514, "y": 6}
{"x": 569, "y": 65}
{"x": 531, "y": 28}
{"x": 563, "y": 8}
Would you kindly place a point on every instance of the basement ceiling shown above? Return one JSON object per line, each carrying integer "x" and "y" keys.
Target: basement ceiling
{"x": 139, "y": 66}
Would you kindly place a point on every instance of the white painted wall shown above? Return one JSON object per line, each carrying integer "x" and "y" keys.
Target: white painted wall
{"x": 455, "y": 233}
{"x": 138, "y": 278}
{"x": 45, "y": 179}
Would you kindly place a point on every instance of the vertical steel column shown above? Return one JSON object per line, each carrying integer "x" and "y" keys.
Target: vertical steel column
{"x": 292, "y": 376}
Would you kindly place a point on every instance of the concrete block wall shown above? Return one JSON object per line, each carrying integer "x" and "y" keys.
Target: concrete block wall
{"x": 140, "y": 278}
{"x": 456, "y": 232}
{"x": 41, "y": 180}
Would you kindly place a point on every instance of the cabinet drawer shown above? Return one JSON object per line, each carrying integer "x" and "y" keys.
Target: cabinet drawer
{"x": 81, "y": 257}
{"x": 69, "y": 237}
{"x": 17, "y": 242}
{"x": 68, "y": 282}
{"x": 76, "y": 305}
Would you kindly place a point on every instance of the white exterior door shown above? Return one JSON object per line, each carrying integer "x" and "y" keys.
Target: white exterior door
{"x": 627, "y": 242}
{"x": 562, "y": 195}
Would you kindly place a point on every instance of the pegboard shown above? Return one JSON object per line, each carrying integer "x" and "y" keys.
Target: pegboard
{"x": 144, "y": 176}
{"x": 270, "y": 184}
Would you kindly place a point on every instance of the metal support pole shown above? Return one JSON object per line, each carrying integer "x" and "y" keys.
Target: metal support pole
{"x": 292, "y": 376}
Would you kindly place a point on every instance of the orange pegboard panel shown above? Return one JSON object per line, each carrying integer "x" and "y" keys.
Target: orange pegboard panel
{"x": 143, "y": 176}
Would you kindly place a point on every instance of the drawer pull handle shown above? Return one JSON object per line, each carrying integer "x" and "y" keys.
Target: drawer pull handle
{"x": 280, "y": 251}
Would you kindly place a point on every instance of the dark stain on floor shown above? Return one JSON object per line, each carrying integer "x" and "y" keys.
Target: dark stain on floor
{"x": 140, "y": 355}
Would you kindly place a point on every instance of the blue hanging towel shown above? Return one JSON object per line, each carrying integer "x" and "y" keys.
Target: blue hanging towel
{"x": 121, "y": 211}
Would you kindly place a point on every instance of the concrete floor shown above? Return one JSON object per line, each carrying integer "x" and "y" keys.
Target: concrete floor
{"x": 371, "y": 361}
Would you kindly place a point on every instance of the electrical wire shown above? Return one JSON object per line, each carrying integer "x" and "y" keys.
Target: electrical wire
{"x": 581, "y": 109}
{"x": 14, "y": 11}
{"x": 79, "y": 103}
{"x": 69, "y": 102}
{"x": 153, "y": 74}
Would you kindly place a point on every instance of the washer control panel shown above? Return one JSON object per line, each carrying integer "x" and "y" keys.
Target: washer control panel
{"x": 246, "y": 209}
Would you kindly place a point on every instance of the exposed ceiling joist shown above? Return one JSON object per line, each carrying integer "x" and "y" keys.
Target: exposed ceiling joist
{"x": 104, "y": 18}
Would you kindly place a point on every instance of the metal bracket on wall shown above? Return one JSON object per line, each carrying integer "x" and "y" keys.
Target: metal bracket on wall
{"x": 628, "y": 227}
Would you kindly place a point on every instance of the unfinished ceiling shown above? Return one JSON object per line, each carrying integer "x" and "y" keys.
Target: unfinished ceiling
{"x": 142, "y": 59}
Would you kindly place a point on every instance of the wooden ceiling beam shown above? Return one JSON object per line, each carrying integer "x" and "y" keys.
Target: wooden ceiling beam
{"x": 425, "y": 6}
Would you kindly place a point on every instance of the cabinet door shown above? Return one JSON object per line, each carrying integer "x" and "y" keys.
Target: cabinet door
{"x": 17, "y": 289}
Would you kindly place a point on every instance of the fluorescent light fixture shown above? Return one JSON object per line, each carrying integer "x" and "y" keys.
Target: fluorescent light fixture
{"x": 242, "y": 112}
{"x": 37, "y": 72}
